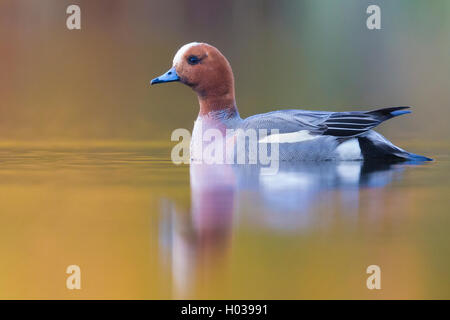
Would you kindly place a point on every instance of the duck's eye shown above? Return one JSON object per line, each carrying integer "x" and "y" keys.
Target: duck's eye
{"x": 193, "y": 60}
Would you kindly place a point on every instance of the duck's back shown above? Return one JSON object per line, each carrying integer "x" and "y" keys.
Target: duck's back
{"x": 324, "y": 135}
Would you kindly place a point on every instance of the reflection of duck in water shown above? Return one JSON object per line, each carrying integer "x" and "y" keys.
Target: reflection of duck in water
{"x": 302, "y": 135}
{"x": 302, "y": 195}
{"x": 197, "y": 242}
{"x": 294, "y": 200}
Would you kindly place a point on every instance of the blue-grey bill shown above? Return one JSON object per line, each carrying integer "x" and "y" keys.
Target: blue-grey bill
{"x": 169, "y": 76}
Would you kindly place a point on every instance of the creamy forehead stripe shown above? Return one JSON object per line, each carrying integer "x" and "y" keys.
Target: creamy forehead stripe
{"x": 180, "y": 53}
{"x": 290, "y": 137}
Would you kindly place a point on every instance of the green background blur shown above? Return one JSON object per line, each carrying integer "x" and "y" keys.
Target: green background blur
{"x": 93, "y": 83}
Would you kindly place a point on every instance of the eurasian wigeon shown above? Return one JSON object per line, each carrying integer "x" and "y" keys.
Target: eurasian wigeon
{"x": 302, "y": 134}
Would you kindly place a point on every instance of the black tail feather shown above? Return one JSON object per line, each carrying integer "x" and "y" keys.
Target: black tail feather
{"x": 388, "y": 113}
{"x": 372, "y": 149}
{"x": 356, "y": 123}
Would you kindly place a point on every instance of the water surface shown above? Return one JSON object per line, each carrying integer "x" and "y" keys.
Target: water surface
{"x": 142, "y": 228}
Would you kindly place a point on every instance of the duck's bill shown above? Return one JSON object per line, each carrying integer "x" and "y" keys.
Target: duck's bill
{"x": 169, "y": 76}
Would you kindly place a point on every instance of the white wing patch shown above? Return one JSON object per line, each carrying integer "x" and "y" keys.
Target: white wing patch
{"x": 349, "y": 150}
{"x": 291, "y": 137}
{"x": 180, "y": 53}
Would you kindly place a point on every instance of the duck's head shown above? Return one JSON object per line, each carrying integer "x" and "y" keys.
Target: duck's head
{"x": 203, "y": 68}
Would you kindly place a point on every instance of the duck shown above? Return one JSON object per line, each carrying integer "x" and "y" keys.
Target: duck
{"x": 300, "y": 134}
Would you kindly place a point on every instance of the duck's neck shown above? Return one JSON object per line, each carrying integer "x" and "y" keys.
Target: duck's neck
{"x": 223, "y": 104}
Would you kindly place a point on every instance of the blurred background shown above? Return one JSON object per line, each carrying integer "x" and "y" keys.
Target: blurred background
{"x": 86, "y": 176}
{"x": 93, "y": 83}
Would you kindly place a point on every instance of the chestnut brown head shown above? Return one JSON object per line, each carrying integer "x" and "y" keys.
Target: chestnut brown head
{"x": 203, "y": 68}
